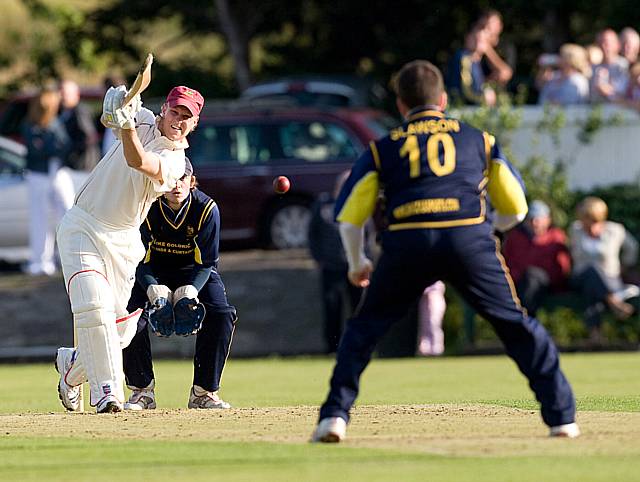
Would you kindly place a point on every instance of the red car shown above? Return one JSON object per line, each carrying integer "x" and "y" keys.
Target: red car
{"x": 237, "y": 152}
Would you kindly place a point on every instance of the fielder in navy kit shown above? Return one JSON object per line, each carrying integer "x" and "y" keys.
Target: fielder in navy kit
{"x": 181, "y": 235}
{"x": 438, "y": 175}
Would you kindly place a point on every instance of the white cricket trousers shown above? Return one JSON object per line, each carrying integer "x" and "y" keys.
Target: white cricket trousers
{"x": 50, "y": 196}
{"x": 99, "y": 264}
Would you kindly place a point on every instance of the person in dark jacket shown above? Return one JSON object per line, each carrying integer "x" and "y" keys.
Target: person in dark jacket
{"x": 79, "y": 123}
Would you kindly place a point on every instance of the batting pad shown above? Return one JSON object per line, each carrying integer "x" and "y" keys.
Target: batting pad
{"x": 99, "y": 349}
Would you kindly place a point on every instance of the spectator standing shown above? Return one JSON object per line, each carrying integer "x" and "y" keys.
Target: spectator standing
{"x": 610, "y": 78}
{"x": 600, "y": 250}
{"x": 538, "y": 257}
{"x": 326, "y": 249}
{"x": 498, "y": 69}
{"x": 629, "y": 44}
{"x": 79, "y": 123}
{"x": 569, "y": 83}
{"x": 50, "y": 186}
{"x": 466, "y": 79}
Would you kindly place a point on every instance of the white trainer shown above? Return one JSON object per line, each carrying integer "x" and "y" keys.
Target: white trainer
{"x": 330, "y": 430}
{"x": 69, "y": 396}
{"x": 109, "y": 404}
{"x": 569, "y": 430}
{"x": 142, "y": 398}
{"x": 200, "y": 398}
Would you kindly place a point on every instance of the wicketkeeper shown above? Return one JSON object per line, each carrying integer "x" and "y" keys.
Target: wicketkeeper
{"x": 99, "y": 238}
{"x": 179, "y": 283}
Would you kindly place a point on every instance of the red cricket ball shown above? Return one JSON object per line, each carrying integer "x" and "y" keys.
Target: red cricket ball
{"x": 281, "y": 184}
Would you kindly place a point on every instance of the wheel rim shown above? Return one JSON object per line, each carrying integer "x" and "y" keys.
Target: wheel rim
{"x": 289, "y": 227}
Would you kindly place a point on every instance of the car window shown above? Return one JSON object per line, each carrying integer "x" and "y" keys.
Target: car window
{"x": 315, "y": 141}
{"x": 382, "y": 125}
{"x": 243, "y": 144}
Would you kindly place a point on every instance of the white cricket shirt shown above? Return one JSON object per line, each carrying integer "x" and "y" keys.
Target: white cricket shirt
{"x": 119, "y": 196}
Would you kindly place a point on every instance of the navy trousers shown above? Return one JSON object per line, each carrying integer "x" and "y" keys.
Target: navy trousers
{"x": 213, "y": 341}
{"x": 469, "y": 259}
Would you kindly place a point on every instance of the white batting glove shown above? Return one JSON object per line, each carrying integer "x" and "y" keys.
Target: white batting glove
{"x": 135, "y": 105}
{"x": 114, "y": 116}
{"x": 186, "y": 291}
{"x": 155, "y": 292}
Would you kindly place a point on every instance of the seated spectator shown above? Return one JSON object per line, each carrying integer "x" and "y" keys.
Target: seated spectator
{"x": 465, "y": 77}
{"x": 610, "y": 78}
{"x": 538, "y": 257}
{"x": 629, "y": 44}
{"x": 600, "y": 250}
{"x": 568, "y": 83}
{"x": 498, "y": 70}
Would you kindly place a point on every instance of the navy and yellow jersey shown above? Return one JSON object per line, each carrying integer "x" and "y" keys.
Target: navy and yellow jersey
{"x": 183, "y": 244}
{"x": 435, "y": 172}
{"x": 465, "y": 78}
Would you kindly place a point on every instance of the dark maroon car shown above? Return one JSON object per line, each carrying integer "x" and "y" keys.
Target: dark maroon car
{"x": 237, "y": 152}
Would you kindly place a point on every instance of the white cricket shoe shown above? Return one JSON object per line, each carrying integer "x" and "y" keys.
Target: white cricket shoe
{"x": 200, "y": 398}
{"x": 142, "y": 398}
{"x": 330, "y": 430}
{"x": 569, "y": 430}
{"x": 109, "y": 404}
{"x": 69, "y": 396}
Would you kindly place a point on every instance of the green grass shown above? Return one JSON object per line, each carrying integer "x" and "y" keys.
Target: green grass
{"x": 238, "y": 447}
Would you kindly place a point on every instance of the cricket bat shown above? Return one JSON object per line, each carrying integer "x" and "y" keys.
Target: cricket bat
{"x": 143, "y": 79}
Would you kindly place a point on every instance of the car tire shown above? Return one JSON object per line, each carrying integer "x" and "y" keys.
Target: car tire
{"x": 287, "y": 225}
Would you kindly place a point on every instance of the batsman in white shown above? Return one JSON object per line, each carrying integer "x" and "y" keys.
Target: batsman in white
{"x": 99, "y": 238}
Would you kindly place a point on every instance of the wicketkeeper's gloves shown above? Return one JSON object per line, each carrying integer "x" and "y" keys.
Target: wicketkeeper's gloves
{"x": 188, "y": 312}
{"x": 160, "y": 310}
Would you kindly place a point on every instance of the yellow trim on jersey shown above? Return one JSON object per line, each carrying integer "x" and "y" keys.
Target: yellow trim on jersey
{"x": 506, "y": 193}
{"x": 361, "y": 202}
{"x": 183, "y": 216}
{"x": 466, "y": 80}
{"x": 489, "y": 142}
{"x": 437, "y": 224}
{"x": 424, "y": 113}
{"x": 147, "y": 255}
{"x": 197, "y": 254}
{"x": 507, "y": 275}
{"x": 207, "y": 209}
{"x": 375, "y": 154}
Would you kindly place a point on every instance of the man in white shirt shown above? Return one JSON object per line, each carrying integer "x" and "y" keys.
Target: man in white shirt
{"x": 99, "y": 239}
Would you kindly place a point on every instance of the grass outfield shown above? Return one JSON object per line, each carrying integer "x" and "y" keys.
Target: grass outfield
{"x": 467, "y": 418}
